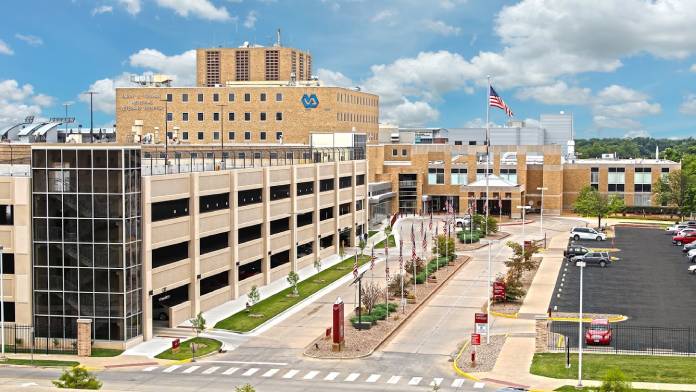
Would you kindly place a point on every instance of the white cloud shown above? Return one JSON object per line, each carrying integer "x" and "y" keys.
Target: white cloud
{"x": 105, "y": 98}
{"x": 440, "y": 27}
{"x": 410, "y": 114}
{"x": 616, "y": 93}
{"x": 181, "y": 66}
{"x": 5, "y": 49}
{"x": 250, "y": 20}
{"x": 102, "y": 10}
{"x": 30, "y": 39}
{"x": 478, "y": 122}
{"x": 334, "y": 78}
{"x": 636, "y": 133}
{"x": 532, "y": 122}
{"x": 18, "y": 102}
{"x": 558, "y": 93}
{"x": 382, "y": 16}
{"x": 450, "y": 4}
{"x": 43, "y": 100}
{"x": 689, "y": 105}
{"x": 203, "y": 9}
{"x": 618, "y": 107}
{"x": 132, "y": 6}
{"x": 693, "y": 68}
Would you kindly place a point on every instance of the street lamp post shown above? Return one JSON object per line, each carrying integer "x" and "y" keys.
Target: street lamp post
{"x": 524, "y": 209}
{"x": 490, "y": 285}
{"x": 541, "y": 220}
{"x": 582, "y": 265}
{"x": 66, "y": 104}
{"x": 91, "y": 115}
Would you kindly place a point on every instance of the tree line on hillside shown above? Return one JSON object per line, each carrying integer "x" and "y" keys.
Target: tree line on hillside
{"x": 640, "y": 147}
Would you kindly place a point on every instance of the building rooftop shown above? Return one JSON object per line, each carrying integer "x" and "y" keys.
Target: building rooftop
{"x": 612, "y": 161}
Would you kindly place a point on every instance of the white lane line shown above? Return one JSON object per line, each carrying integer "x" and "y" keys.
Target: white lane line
{"x": 479, "y": 385}
{"x": 250, "y": 372}
{"x": 310, "y": 375}
{"x": 457, "y": 383}
{"x": 373, "y": 378}
{"x": 191, "y": 369}
{"x": 436, "y": 381}
{"x": 352, "y": 377}
{"x": 171, "y": 369}
{"x": 270, "y": 373}
{"x": 291, "y": 373}
{"x": 393, "y": 379}
{"x": 250, "y": 363}
{"x": 415, "y": 381}
{"x": 230, "y": 371}
{"x": 211, "y": 370}
{"x": 331, "y": 376}
{"x": 150, "y": 368}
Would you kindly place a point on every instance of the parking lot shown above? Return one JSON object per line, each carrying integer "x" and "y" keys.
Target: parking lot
{"x": 649, "y": 284}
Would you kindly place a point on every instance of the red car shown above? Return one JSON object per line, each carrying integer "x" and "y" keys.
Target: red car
{"x": 682, "y": 239}
{"x": 598, "y": 333}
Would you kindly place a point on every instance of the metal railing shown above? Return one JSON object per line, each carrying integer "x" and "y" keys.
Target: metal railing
{"x": 21, "y": 339}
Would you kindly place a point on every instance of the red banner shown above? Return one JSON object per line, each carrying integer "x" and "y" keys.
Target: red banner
{"x": 475, "y": 339}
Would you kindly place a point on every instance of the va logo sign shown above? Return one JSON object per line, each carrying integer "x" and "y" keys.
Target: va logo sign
{"x": 310, "y": 101}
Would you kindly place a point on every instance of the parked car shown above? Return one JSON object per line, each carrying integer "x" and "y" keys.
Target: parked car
{"x": 462, "y": 221}
{"x": 586, "y": 233}
{"x": 575, "y": 250}
{"x": 686, "y": 248}
{"x": 681, "y": 239}
{"x": 692, "y": 255}
{"x": 692, "y": 269}
{"x": 601, "y": 259}
{"x": 674, "y": 229}
{"x": 599, "y": 332}
{"x": 686, "y": 231}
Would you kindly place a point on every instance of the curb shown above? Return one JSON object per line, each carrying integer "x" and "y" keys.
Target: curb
{"x": 615, "y": 319}
{"x": 505, "y": 315}
{"x": 459, "y": 371}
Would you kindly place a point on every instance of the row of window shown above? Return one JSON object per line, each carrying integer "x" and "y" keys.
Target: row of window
{"x": 231, "y": 135}
{"x": 357, "y": 99}
{"x": 231, "y": 116}
{"x": 356, "y": 117}
{"x": 231, "y": 97}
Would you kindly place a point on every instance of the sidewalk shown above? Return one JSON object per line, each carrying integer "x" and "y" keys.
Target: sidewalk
{"x": 96, "y": 363}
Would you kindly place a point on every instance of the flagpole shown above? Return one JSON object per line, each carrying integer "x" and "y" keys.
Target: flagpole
{"x": 488, "y": 158}
{"x": 401, "y": 266}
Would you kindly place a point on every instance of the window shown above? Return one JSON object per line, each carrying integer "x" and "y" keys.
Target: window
{"x": 262, "y": 97}
{"x": 641, "y": 199}
{"x": 247, "y": 135}
{"x": 216, "y": 116}
{"x": 436, "y": 176}
{"x": 169, "y": 254}
{"x": 169, "y": 97}
{"x": 664, "y": 172}
{"x": 481, "y": 173}
{"x": 230, "y": 135}
{"x": 280, "y": 192}
{"x": 325, "y": 213}
{"x": 326, "y": 185}
{"x": 262, "y": 135}
{"x": 252, "y": 196}
{"x": 169, "y": 209}
{"x": 326, "y": 242}
{"x": 404, "y": 152}
{"x": 248, "y": 270}
{"x": 215, "y": 282}
{"x": 279, "y": 97}
{"x": 7, "y": 214}
{"x": 249, "y": 233}
{"x": 305, "y": 249}
{"x": 279, "y": 259}
{"x": 305, "y": 219}
{"x": 616, "y": 179}
{"x": 170, "y": 116}
{"x": 200, "y": 116}
{"x": 215, "y": 202}
{"x": 594, "y": 177}
{"x": 184, "y": 116}
{"x": 359, "y": 205}
{"x": 184, "y": 135}
{"x": 344, "y": 209}
{"x": 247, "y": 116}
{"x": 643, "y": 180}
{"x": 262, "y": 116}
{"x": 230, "y": 97}
{"x": 214, "y": 242}
{"x": 395, "y": 152}
{"x": 458, "y": 143}
{"x": 230, "y": 116}
{"x": 279, "y": 116}
{"x": 200, "y": 98}
{"x": 280, "y": 225}
{"x": 200, "y": 135}
{"x": 345, "y": 182}
{"x": 509, "y": 175}
{"x": 458, "y": 176}
{"x": 247, "y": 97}
{"x": 184, "y": 97}
{"x": 360, "y": 179}
{"x": 305, "y": 188}
{"x": 279, "y": 136}
{"x": 8, "y": 263}
{"x": 216, "y": 97}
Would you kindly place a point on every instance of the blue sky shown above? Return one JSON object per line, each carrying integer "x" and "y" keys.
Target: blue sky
{"x": 622, "y": 67}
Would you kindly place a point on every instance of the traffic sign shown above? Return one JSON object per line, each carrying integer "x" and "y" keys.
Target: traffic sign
{"x": 481, "y": 318}
{"x": 475, "y": 339}
{"x": 176, "y": 343}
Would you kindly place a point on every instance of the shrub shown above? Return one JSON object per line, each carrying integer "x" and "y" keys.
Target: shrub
{"x": 392, "y": 307}
{"x": 614, "y": 381}
{"x": 379, "y": 314}
{"x": 244, "y": 388}
{"x": 395, "y": 286}
{"x": 77, "y": 378}
{"x": 365, "y": 318}
{"x": 468, "y": 237}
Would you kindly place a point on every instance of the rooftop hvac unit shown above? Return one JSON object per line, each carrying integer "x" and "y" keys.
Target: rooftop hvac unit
{"x": 608, "y": 156}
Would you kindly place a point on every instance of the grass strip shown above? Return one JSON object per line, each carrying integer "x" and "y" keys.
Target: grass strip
{"x": 270, "y": 307}
{"x": 106, "y": 352}
{"x": 392, "y": 242}
{"x": 203, "y": 346}
{"x": 40, "y": 362}
{"x": 676, "y": 370}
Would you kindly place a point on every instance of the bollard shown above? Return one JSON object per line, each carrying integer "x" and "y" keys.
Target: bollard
{"x": 473, "y": 359}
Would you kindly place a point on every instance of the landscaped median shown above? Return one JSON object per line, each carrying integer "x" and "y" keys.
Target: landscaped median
{"x": 272, "y": 306}
{"x": 390, "y": 240}
{"x": 204, "y": 346}
{"x": 636, "y": 368}
{"x": 39, "y": 362}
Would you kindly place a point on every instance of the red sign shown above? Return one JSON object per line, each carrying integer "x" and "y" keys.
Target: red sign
{"x": 175, "y": 344}
{"x": 475, "y": 339}
{"x": 338, "y": 333}
{"x": 498, "y": 291}
{"x": 481, "y": 318}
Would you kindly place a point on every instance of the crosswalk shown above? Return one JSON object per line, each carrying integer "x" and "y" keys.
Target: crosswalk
{"x": 314, "y": 375}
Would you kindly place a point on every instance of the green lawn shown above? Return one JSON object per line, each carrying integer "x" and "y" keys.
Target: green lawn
{"x": 277, "y": 303}
{"x": 678, "y": 370}
{"x": 392, "y": 243}
{"x": 210, "y": 345}
{"x": 571, "y": 388}
{"x": 370, "y": 233}
{"x": 40, "y": 362}
{"x": 106, "y": 352}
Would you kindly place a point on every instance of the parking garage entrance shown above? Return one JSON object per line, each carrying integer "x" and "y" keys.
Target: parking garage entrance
{"x": 163, "y": 303}
{"x": 344, "y": 237}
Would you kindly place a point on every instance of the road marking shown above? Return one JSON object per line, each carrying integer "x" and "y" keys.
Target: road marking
{"x": 415, "y": 381}
{"x": 250, "y": 372}
{"x": 479, "y": 385}
{"x": 310, "y": 375}
{"x": 291, "y": 373}
{"x": 352, "y": 377}
{"x": 28, "y": 384}
{"x": 373, "y": 378}
{"x": 250, "y": 363}
{"x": 150, "y": 368}
{"x": 457, "y": 383}
{"x": 436, "y": 381}
{"x": 191, "y": 369}
{"x": 331, "y": 376}
{"x": 171, "y": 369}
{"x": 230, "y": 371}
{"x": 270, "y": 373}
{"x": 211, "y": 370}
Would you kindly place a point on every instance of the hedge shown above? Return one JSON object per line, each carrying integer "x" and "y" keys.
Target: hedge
{"x": 379, "y": 312}
{"x": 467, "y": 237}
{"x": 430, "y": 268}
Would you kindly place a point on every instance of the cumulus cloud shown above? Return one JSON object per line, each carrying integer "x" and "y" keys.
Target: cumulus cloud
{"x": 636, "y": 133}
{"x": 442, "y": 28}
{"x": 5, "y": 49}
{"x": 104, "y": 9}
{"x": 250, "y": 20}
{"x": 334, "y": 78}
{"x": 382, "y": 16}
{"x": 105, "y": 98}
{"x": 450, "y": 4}
{"x": 30, "y": 39}
{"x": 619, "y": 107}
{"x": 19, "y": 101}
{"x": 689, "y": 105}
{"x": 203, "y": 9}
{"x": 410, "y": 114}
{"x": 558, "y": 93}
{"x": 132, "y": 6}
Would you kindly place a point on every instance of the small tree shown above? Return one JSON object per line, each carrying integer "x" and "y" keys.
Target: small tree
{"x": 341, "y": 250}
{"x": 198, "y": 323}
{"x": 77, "y": 377}
{"x": 518, "y": 263}
{"x": 445, "y": 247}
{"x": 244, "y": 388}
{"x": 492, "y": 225}
{"x": 387, "y": 231}
{"x": 592, "y": 203}
{"x": 362, "y": 244}
{"x": 254, "y": 295}
{"x": 317, "y": 264}
{"x": 293, "y": 278}
{"x": 371, "y": 294}
{"x": 614, "y": 381}
{"x": 395, "y": 285}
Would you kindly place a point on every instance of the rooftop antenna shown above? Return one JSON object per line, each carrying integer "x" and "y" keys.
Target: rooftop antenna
{"x": 278, "y": 38}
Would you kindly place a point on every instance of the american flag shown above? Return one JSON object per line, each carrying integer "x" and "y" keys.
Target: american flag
{"x": 355, "y": 266}
{"x": 372, "y": 259}
{"x": 430, "y": 225}
{"x": 401, "y": 252}
{"x": 413, "y": 243}
{"x": 495, "y": 101}
{"x": 425, "y": 238}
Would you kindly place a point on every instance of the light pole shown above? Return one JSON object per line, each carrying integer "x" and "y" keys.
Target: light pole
{"x": 524, "y": 209}
{"x": 580, "y": 264}
{"x": 490, "y": 285}
{"x": 222, "y": 137}
{"x": 2, "y": 306}
{"x": 541, "y": 220}
{"x": 91, "y": 115}
{"x": 66, "y": 104}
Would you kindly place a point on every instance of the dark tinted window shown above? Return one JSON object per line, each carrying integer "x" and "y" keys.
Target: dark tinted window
{"x": 216, "y": 202}
{"x": 344, "y": 209}
{"x": 248, "y": 270}
{"x": 8, "y": 263}
{"x": 169, "y": 254}
{"x": 326, "y": 213}
{"x": 169, "y": 209}
{"x": 305, "y": 219}
{"x": 345, "y": 182}
{"x": 305, "y": 188}
{"x": 326, "y": 185}
{"x": 6, "y": 215}
{"x": 214, "y": 242}
{"x": 280, "y": 225}
{"x": 252, "y": 196}
{"x": 247, "y": 234}
{"x": 279, "y": 259}
{"x": 305, "y": 249}
{"x": 326, "y": 242}
{"x": 215, "y": 282}
{"x": 360, "y": 179}
{"x": 280, "y": 192}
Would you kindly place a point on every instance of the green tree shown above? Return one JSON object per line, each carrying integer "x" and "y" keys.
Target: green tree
{"x": 293, "y": 278}
{"x": 517, "y": 264}
{"x": 614, "y": 381}
{"x": 592, "y": 203}
{"x": 445, "y": 246}
{"x": 77, "y": 377}
{"x": 676, "y": 190}
{"x": 198, "y": 323}
{"x": 254, "y": 295}
{"x": 341, "y": 250}
{"x": 362, "y": 244}
{"x": 244, "y": 388}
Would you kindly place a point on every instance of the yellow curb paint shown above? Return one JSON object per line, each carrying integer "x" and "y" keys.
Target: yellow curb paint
{"x": 616, "y": 319}
{"x": 460, "y": 371}
{"x": 182, "y": 361}
{"x": 506, "y": 315}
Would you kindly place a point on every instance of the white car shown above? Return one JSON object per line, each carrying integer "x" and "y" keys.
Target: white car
{"x": 462, "y": 221}
{"x": 675, "y": 229}
{"x": 691, "y": 255}
{"x": 586, "y": 233}
{"x": 692, "y": 269}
